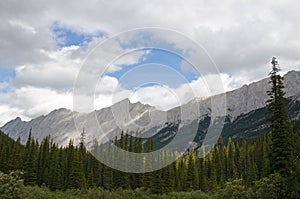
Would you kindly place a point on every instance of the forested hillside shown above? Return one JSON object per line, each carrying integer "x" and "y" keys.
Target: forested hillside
{"x": 242, "y": 167}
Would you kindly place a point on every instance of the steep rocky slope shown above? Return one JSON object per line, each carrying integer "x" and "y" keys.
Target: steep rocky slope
{"x": 243, "y": 106}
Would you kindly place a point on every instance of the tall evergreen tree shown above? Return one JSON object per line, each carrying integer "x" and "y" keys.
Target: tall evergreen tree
{"x": 192, "y": 179}
{"x": 231, "y": 157}
{"x": 43, "y": 162}
{"x": 54, "y": 170}
{"x": 77, "y": 178}
{"x": 280, "y": 126}
{"x": 30, "y": 161}
{"x": 147, "y": 177}
{"x": 212, "y": 170}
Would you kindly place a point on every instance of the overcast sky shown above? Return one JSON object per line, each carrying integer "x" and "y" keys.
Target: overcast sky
{"x": 43, "y": 45}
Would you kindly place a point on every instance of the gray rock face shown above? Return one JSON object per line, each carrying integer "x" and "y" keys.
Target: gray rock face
{"x": 63, "y": 125}
{"x": 254, "y": 96}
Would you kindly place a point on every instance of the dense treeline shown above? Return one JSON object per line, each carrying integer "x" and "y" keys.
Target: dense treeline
{"x": 72, "y": 167}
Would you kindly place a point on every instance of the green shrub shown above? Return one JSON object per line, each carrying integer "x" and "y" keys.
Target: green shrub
{"x": 270, "y": 187}
{"x": 235, "y": 190}
{"x": 11, "y": 185}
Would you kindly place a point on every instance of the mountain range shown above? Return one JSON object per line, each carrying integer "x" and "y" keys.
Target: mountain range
{"x": 243, "y": 114}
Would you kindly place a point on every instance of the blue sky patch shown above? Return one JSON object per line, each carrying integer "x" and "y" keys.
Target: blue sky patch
{"x": 6, "y": 73}
{"x": 68, "y": 37}
{"x": 156, "y": 61}
{"x": 159, "y": 66}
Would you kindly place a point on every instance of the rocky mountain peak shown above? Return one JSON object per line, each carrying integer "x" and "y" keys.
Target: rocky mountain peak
{"x": 124, "y": 115}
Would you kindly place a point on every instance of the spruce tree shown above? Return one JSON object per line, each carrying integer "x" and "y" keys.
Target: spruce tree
{"x": 30, "y": 161}
{"x": 43, "y": 162}
{"x": 54, "y": 169}
{"x": 212, "y": 170}
{"x": 203, "y": 181}
{"x": 280, "y": 126}
{"x": 69, "y": 162}
{"x": 77, "y": 178}
{"x": 231, "y": 164}
{"x": 192, "y": 180}
{"x": 147, "y": 177}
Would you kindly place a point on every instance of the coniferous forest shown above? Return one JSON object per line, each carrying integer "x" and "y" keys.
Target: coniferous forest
{"x": 239, "y": 169}
{"x": 265, "y": 167}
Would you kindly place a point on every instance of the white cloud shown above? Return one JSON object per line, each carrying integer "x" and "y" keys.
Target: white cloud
{"x": 240, "y": 36}
{"x": 39, "y": 88}
{"x": 59, "y": 72}
{"x": 162, "y": 97}
{"x": 32, "y": 101}
{"x": 8, "y": 113}
{"x": 165, "y": 98}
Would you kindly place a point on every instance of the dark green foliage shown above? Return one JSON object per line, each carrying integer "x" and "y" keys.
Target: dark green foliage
{"x": 54, "y": 180}
{"x": 77, "y": 177}
{"x": 294, "y": 175}
{"x": 269, "y": 187}
{"x": 236, "y": 169}
{"x": 192, "y": 178}
{"x": 234, "y": 189}
{"x": 30, "y": 172}
{"x": 43, "y": 162}
{"x": 280, "y": 125}
{"x": 11, "y": 185}
{"x": 147, "y": 177}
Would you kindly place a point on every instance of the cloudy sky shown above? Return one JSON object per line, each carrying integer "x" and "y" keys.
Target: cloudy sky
{"x": 45, "y": 44}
